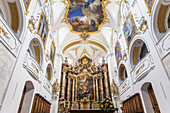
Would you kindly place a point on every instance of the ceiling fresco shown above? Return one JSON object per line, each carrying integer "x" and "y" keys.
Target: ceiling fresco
{"x": 85, "y": 15}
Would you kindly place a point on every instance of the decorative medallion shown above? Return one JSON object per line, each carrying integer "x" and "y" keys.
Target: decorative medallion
{"x": 85, "y": 15}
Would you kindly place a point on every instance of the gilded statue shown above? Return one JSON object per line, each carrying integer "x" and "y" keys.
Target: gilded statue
{"x": 114, "y": 88}
{"x": 56, "y": 87}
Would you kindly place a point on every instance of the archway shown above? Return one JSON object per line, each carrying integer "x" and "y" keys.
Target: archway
{"x": 35, "y": 50}
{"x": 150, "y": 100}
{"x": 13, "y": 13}
{"x": 138, "y": 51}
{"x": 122, "y": 73}
{"x": 26, "y": 98}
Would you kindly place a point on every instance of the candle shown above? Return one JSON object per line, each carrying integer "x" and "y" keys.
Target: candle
{"x": 116, "y": 104}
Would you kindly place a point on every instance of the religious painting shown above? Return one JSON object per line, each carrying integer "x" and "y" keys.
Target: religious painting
{"x": 26, "y": 4}
{"x": 52, "y": 52}
{"x": 118, "y": 53}
{"x": 43, "y": 28}
{"x": 85, "y": 86}
{"x": 129, "y": 29}
{"x": 149, "y": 4}
{"x": 85, "y": 15}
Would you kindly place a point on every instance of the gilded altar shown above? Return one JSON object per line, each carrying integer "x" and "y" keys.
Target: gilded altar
{"x": 83, "y": 85}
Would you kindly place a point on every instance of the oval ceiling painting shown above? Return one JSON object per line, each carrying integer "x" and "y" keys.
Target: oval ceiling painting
{"x": 85, "y": 15}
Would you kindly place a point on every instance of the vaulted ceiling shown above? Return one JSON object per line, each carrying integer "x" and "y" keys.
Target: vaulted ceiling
{"x": 98, "y": 44}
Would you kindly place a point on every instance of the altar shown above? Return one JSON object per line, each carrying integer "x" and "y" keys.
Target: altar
{"x": 83, "y": 86}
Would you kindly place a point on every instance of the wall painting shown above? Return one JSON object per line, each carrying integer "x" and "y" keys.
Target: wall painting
{"x": 149, "y": 4}
{"x": 85, "y": 86}
{"x": 118, "y": 53}
{"x": 85, "y": 15}
{"x": 129, "y": 29}
{"x": 43, "y": 28}
{"x": 52, "y": 52}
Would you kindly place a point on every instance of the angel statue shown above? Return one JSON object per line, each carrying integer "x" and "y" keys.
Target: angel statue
{"x": 114, "y": 88}
{"x": 56, "y": 87}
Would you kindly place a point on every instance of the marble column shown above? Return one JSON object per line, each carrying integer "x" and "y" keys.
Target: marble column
{"x": 101, "y": 87}
{"x": 68, "y": 87}
{"x": 97, "y": 89}
{"x": 106, "y": 83}
{"x": 73, "y": 90}
{"x": 63, "y": 83}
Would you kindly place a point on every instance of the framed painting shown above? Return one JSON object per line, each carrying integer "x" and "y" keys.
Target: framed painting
{"x": 130, "y": 29}
{"x": 85, "y": 86}
{"x": 149, "y": 4}
{"x": 26, "y": 4}
{"x": 85, "y": 15}
{"x": 43, "y": 28}
{"x": 52, "y": 52}
{"x": 118, "y": 53}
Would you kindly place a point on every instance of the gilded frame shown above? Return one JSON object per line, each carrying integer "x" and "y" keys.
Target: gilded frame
{"x": 26, "y": 8}
{"x": 54, "y": 53}
{"x": 149, "y": 9}
{"x": 86, "y": 72}
{"x": 124, "y": 29}
{"x": 71, "y": 28}
{"x": 42, "y": 14}
{"x": 120, "y": 53}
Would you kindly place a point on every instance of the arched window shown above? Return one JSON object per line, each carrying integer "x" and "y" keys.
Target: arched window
{"x": 161, "y": 19}
{"x": 12, "y": 13}
{"x": 122, "y": 74}
{"x": 139, "y": 51}
{"x": 35, "y": 50}
{"x": 49, "y": 72}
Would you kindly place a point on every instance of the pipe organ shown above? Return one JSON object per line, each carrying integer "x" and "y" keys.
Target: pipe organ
{"x": 83, "y": 85}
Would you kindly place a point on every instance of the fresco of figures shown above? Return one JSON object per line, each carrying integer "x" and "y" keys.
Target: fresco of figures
{"x": 85, "y": 15}
{"x": 118, "y": 53}
{"x": 52, "y": 52}
{"x": 85, "y": 87}
{"x": 43, "y": 28}
{"x": 129, "y": 29}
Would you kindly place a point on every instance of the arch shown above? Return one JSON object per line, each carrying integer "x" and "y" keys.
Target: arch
{"x": 36, "y": 49}
{"x": 49, "y": 72}
{"x": 149, "y": 98}
{"x": 26, "y": 99}
{"x": 160, "y": 16}
{"x": 14, "y": 15}
{"x": 122, "y": 73}
{"x": 138, "y": 50}
{"x": 102, "y": 46}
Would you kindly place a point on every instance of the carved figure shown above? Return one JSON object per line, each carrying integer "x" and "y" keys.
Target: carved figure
{"x": 56, "y": 87}
{"x": 114, "y": 88}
